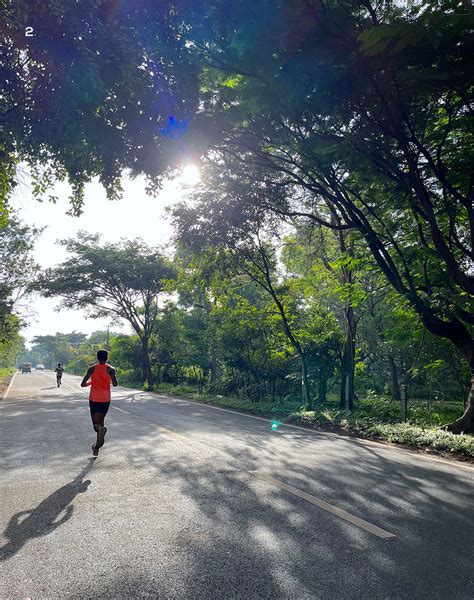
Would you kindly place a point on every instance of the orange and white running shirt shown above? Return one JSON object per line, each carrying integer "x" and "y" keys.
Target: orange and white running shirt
{"x": 100, "y": 384}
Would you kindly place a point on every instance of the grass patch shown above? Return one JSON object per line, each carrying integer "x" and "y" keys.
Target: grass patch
{"x": 407, "y": 434}
{"x": 190, "y": 392}
{"x": 5, "y": 376}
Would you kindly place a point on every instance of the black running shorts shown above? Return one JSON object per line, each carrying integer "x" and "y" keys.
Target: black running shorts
{"x": 99, "y": 407}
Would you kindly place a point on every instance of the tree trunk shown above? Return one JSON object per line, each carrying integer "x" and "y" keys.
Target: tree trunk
{"x": 466, "y": 422}
{"x": 322, "y": 388}
{"x": 346, "y": 398}
{"x": 147, "y": 372}
{"x": 305, "y": 394}
{"x": 462, "y": 339}
{"x": 394, "y": 378}
{"x": 214, "y": 367}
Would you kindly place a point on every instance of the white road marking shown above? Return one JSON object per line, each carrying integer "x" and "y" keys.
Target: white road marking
{"x": 120, "y": 409}
{"x": 381, "y": 533}
{"x": 7, "y": 391}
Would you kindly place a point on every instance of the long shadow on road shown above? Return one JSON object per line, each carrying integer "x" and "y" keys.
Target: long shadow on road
{"x": 50, "y": 514}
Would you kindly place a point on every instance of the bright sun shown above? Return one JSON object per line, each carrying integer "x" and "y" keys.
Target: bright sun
{"x": 190, "y": 175}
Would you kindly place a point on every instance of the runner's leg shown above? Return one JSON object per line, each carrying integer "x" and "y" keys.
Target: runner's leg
{"x": 98, "y": 420}
{"x": 98, "y": 424}
{"x": 101, "y": 432}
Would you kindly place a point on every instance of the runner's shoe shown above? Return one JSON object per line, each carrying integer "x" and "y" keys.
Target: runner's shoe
{"x": 100, "y": 437}
{"x": 95, "y": 450}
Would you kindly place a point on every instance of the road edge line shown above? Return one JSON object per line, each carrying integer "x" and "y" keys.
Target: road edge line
{"x": 7, "y": 391}
{"x": 363, "y": 441}
{"x": 360, "y": 440}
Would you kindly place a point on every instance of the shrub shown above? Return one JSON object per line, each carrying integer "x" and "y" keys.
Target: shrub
{"x": 405, "y": 433}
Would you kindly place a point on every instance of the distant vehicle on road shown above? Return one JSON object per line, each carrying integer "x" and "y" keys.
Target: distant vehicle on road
{"x": 39, "y": 367}
{"x": 26, "y": 368}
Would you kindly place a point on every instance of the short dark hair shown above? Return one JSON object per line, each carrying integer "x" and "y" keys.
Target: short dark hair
{"x": 59, "y": 364}
{"x": 102, "y": 355}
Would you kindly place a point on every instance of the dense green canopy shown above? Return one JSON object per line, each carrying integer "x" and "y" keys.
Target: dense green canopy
{"x": 99, "y": 87}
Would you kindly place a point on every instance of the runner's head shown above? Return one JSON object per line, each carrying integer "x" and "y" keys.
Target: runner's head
{"x": 59, "y": 364}
{"x": 102, "y": 356}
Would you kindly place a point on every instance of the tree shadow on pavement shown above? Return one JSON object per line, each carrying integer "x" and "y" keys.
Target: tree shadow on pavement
{"x": 189, "y": 519}
{"x": 286, "y": 545}
{"x": 52, "y": 512}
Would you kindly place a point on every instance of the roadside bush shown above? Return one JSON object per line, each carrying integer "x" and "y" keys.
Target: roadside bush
{"x": 129, "y": 378}
{"x": 405, "y": 433}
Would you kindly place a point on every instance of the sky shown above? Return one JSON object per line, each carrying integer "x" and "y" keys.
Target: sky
{"x": 135, "y": 215}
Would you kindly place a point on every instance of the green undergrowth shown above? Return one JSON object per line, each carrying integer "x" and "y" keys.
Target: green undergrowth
{"x": 409, "y": 434}
{"x": 5, "y": 376}
{"x": 375, "y": 418}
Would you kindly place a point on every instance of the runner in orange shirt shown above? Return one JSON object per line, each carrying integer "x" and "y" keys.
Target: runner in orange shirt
{"x": 99, "y": 397}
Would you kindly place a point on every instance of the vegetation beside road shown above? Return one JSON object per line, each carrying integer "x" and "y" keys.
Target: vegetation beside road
{"x": 5, "y": 378}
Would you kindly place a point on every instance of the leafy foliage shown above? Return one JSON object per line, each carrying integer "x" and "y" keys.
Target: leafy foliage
{"x": 94, "y": 91}
{"x": 17, "y": 270}
{"x": 355, "y": 116}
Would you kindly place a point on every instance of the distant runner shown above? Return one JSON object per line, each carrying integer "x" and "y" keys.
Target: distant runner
{"x": 99, "y": 397}
{"x": 59, "y": 374}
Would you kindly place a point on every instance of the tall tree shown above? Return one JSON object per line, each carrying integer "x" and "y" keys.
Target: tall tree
{"x": 228, "y": 317}
{"x": 322, "y": 267}
{"x": 123, "y": 280}
{"x": 51, "y": 349}
{"x": 17, "y": 270}
{"x": 362, "y": 113}
{"x": 245, "y": 248}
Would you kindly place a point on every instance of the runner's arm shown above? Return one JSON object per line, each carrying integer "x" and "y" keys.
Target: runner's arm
{"x": 88, "y": 374}
{"x": 113, "y": 376}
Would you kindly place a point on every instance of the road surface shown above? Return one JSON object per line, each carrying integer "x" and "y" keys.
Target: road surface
{"x": 188, "y": 501}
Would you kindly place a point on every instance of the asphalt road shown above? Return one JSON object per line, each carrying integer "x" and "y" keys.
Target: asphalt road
{"x": 188, "y": 501}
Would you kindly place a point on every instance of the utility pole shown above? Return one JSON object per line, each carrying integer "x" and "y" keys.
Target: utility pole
{"x": 107, "y": 342}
